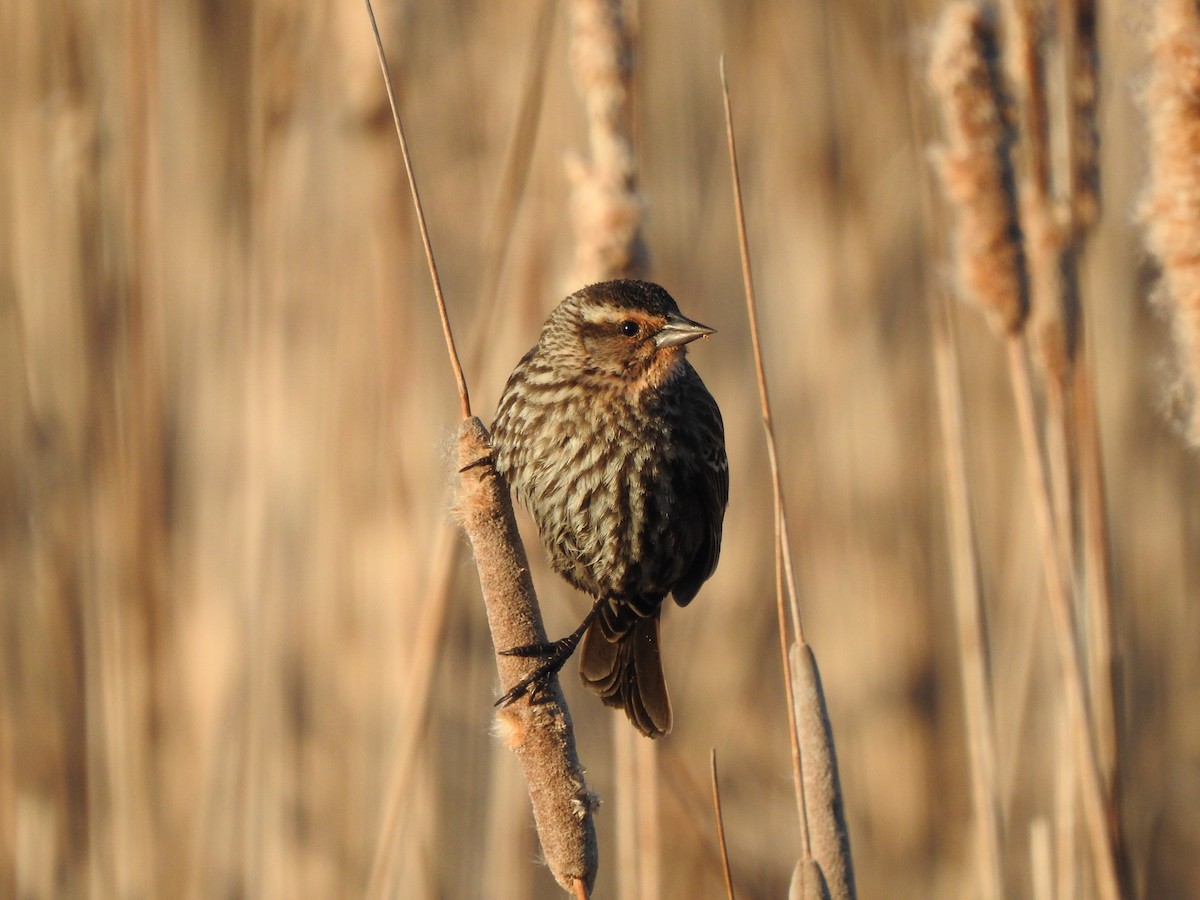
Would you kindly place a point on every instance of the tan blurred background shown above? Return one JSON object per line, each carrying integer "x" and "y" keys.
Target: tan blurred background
{"x": 225, "y": 414}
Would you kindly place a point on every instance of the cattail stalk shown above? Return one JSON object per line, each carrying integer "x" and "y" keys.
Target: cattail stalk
{"x": 541, "y": 733}
{"x": 978, "y": 698}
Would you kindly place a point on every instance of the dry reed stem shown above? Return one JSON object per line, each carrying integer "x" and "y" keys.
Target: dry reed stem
{"x": 721, "y": 845}
{"x": 1065, "y": 788}
{"x": 824, "y": 835}
{"x": 975, "y": 164}
{"x": 636, "y": 808}
{"x": 605, "y": 205}
{"x": 463, "y": 396}
{"x": 1102, "y": 832}
{"x": 782, "y": 548}
{"x": 539, "y": 733}
{"x": 383, "y": 870}
{"x": 979, "y": 708}
{"x": 764, "y": 398}
{"x": 1170, "y": 209}
{"x": 431, "y": 627}
{"x": 1103, "y": 671}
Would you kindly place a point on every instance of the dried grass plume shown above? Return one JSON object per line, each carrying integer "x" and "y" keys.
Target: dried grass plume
{"x": 1170, "y": 208}
{"x": 975, "y": 164}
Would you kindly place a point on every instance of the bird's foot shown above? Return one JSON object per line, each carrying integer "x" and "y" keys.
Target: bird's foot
{"x": 554, "y": 653}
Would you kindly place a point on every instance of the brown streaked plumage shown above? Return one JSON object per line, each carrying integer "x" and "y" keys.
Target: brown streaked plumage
{"x": 610, "y": 439}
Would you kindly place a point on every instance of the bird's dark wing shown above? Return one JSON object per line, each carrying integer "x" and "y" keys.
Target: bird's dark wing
{"x": 706, "y": 483}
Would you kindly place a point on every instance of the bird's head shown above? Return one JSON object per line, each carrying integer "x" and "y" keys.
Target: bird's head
{"x": 627, "y": 334}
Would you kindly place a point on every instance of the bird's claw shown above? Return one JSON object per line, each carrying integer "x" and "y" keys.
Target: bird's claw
{"x": 534, "y": 651}
{"x": 534, "y": 685}
{"x": 555, "y": 654}
{"x": 482, "y": 461}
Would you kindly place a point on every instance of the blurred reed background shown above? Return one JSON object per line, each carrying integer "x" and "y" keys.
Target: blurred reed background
{"x": 225, "y": 414}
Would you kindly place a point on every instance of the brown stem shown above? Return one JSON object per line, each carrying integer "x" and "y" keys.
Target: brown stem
{"x": 464, "y": 398}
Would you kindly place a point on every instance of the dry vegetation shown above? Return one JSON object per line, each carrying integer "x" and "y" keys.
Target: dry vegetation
{"x": 228, "y": 572}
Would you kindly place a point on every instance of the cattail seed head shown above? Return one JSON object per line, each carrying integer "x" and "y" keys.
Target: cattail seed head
{"x": 1170, "y": 208}
{"x": 975, "y": 164}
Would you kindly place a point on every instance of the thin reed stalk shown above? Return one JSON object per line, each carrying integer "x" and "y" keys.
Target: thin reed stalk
{"x": 460, "y": 380}
{"x": 624, "y": 811}
{"x": 978, "y": 704}
{"x": 825, "y": 839}
{"x": 1100, "y": 625}
{"x": 1070, "y": 665}
{"x": 781, "y": 545}
{"x": 1065, "y": 776}
{"x": 720, "y": 821}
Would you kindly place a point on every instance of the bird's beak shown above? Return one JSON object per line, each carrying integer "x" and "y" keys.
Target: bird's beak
{"x": 679, "y": 331}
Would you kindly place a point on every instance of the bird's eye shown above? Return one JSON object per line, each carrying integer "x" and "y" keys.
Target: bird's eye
{"x": 629, "y": 328}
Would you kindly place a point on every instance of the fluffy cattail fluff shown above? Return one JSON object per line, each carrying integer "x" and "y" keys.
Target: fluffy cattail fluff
{"x": 1054, "y": 300}
{"x": 1170, "y": 207}
{"x": 975, "y": 164}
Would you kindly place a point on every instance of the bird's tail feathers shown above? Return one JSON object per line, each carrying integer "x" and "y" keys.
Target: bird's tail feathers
{"x": 626, "y": 671}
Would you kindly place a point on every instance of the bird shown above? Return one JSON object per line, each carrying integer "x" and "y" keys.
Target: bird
{"x": 610, "y": 439}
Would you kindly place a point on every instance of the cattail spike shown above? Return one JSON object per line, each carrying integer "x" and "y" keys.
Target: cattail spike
{"x": 975, "y": 164}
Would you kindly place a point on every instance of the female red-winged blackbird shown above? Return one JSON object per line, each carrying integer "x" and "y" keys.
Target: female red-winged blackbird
{"x": 611, "y": 440}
